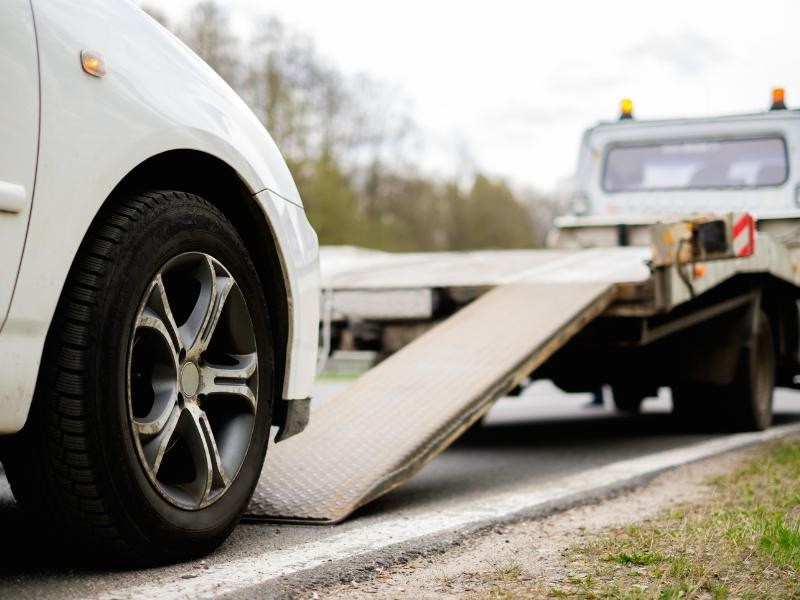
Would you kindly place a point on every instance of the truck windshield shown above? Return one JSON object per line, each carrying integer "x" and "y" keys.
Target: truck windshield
{"x": 698, "y": 164}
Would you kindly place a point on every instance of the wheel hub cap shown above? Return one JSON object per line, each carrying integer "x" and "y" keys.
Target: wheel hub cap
{"x": 190, "y": 379}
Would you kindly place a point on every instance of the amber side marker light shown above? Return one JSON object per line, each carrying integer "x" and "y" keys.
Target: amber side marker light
{"x": 93, "y": 63}
{"x": 778, "y": 99}
{"x": 699, "y": 271}
{"x": 626, "y": 109}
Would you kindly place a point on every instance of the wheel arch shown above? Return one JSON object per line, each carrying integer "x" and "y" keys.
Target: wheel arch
{"x": 214, "y": 180}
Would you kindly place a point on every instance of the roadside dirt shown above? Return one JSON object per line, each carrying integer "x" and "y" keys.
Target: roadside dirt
{"x": 533, "y": 550}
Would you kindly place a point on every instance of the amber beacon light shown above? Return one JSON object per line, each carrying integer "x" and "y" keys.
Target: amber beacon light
{"x": 626, "y": 109}
{"x": 778, "y": 99}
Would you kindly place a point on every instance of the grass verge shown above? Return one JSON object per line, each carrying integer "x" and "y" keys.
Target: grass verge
{"x": 743, "y": 543}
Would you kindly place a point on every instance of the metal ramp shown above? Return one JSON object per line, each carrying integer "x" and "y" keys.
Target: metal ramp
{"x": 387, "y": 424}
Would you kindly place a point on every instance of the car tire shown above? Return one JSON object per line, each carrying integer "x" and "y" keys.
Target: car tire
{"x": 91, "y": 464}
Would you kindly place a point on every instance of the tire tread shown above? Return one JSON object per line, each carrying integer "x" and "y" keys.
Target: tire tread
{"x": 70, "y": 462}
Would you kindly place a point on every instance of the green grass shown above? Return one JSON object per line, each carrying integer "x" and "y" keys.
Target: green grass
{"x": 636, "y": 557}
{"x": 780, "y": 542}
{"x": 743, "y": 543}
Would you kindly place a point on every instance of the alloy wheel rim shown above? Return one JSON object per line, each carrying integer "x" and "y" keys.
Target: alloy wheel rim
{"x": 192, "y": 380}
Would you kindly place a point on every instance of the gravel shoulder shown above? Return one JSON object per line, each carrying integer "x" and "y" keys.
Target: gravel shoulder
{"x": 534, "y": 557}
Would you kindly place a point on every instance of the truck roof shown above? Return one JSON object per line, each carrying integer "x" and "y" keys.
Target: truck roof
{"x": 766, "y": 116}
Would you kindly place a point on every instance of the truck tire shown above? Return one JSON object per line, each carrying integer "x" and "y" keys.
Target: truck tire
{"x": 151, "y": 414}
{"x": 627, "y": 399}
{"x": 743, "y": 405}
{"x": 748, "y": 399}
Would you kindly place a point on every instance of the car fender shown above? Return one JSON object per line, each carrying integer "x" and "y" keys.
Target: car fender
{"x": 156, "y": 96}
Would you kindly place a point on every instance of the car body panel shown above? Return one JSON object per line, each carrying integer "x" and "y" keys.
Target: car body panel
{"x": 156, "y": 96}
{"x": 299, "y": 241}
{"x": 19, "y": 128}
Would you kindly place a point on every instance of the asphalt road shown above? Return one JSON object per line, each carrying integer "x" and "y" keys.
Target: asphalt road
{"x": 533, "y": 440}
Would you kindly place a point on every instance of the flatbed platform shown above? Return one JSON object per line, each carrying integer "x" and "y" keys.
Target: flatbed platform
{"x": 349, "y": 268}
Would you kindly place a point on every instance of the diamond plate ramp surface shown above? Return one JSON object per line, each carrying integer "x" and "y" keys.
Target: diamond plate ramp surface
{"x": 387, "y": 424}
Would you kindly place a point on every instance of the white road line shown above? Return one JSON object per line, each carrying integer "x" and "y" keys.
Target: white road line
{"x": 251, "y": 571}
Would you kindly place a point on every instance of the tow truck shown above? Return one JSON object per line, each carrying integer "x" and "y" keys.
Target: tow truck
{"x": 679, "y": 267}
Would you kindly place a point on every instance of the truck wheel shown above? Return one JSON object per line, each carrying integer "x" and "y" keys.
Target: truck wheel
{"x": 152, "y": 410}
{"x": 627, "y": 399}
{"x": 748, "y": 400}
{"x": 743, "y": 405}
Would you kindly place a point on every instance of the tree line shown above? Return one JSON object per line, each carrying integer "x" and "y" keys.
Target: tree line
{"x": 350, "y": 145}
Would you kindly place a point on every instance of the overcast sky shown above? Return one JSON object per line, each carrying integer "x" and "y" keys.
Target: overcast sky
{"x": 515, "y": 82}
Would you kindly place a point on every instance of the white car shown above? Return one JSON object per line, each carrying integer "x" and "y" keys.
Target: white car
{"x": 159, "y": 296}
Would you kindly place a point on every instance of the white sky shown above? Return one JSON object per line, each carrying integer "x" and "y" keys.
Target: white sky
{"x": 515, "y": 82}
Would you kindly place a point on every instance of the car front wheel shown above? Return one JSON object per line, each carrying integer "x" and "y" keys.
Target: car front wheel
{"x": 152, "y": 411}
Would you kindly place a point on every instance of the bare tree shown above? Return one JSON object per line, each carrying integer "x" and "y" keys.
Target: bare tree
{"x": 207, "y": 32}
{"x": 349, "y": 143}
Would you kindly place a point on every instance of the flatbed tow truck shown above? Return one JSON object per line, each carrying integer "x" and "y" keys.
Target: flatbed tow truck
{"x": 679, "y": 268}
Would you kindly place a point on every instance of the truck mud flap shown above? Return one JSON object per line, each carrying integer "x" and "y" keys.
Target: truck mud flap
{"x": 390, "y": 422}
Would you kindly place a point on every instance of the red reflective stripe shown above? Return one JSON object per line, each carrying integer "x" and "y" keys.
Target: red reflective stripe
{"x": 741, "y": 224}
{"x": 747, "y": 250}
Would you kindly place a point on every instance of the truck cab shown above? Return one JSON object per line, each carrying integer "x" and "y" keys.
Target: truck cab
{"x": 633, "y": 173}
